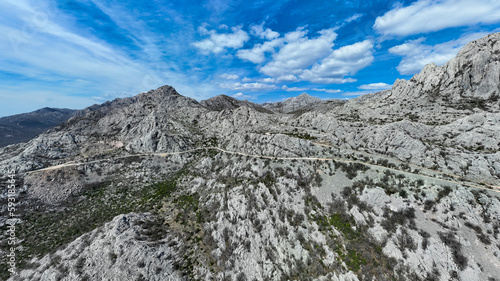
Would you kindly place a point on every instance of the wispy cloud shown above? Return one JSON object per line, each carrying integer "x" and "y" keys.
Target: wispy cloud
{"x": 302, "y": 89}
{"x": 330, "y": 91}
{"x": 375, "y": 86}
{"x": 354, "y": 17}
{"x": 294, "y": 89}
{"x": 45, "y": 48}
{"x": 427, "y": 16}
{"x": 238, "y": 86}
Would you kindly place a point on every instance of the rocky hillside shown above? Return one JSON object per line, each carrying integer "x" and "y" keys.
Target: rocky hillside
{"x": 222, "y": 102}
{"x": 23, "y": 127}
{"x": 397, "y": 185}
{"x": 300, "y": 102}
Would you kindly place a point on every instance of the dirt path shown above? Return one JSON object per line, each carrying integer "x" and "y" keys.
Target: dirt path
{"x": 375, "y": 166}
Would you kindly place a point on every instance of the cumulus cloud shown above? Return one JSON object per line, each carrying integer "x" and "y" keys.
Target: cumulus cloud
{"x": 259, "y": 31}
{"x": 416, "y": 54}
{"x": 299, "y": 52}
{"x": 258, "y": 53}
{"x": 375, "y": 86}
{"x": 229, "y": 76}
{"x": 268, "y": 80}
{"x": 342, "y": 62}
{"x": 294, "y": 89}
{"x": 298, "y": 57}
{"x": 330, "y": 91}
{"x": 241, "y": 96}
{"x": 287, "y": 78}
{"x": 298, "y": 89}
{"x": 238, "y": 86}
{"x": 428, "y": 15}
{"x": 217, "y": 43}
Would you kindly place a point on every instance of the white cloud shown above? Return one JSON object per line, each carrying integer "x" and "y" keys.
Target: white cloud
{"x": 52, "y": 55}
{"x": 241, "y": 96}
{"x": 38, "y": 55}
{"x": 428, "y": 15}
{"x": 259, "y": 31}
{"x": 295, "y": 57}
{"x": 299, "y": 53}
{"x": 416, "y": 54}
{"x": 294, "y": 89}
{"x": 287, "y": 78}
{"x": 268, "y": 80}
{"x": 330, "y": 91}
{"x": 356, "y": 94}
{"x": 375, "y": 86}
{"x": 257, "y": 53}
{"x": 229, "y": 76}
{"x": 238, "y": 86}
{"x": 246, "y": 79}
{"x": 342, "y": 62}
{"x": 217, "y": 43}
{"x": 297, "y": 89}
{"x": 353, "y": 18}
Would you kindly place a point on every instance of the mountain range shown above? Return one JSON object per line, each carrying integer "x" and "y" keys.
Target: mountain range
{"x": 23, "y": 127}
{"x": 401, "y": 184}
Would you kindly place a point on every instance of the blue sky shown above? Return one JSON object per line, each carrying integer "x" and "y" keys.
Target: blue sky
{"x": 77, "y": 53}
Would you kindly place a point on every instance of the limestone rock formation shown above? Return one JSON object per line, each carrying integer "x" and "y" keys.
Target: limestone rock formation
{"x": 302, "y": 101}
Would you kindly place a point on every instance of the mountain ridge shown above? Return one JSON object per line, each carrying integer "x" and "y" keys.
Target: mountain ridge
{"x": 25, "y": 126}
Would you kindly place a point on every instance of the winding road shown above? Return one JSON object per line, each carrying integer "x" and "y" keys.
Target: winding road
{"x": 375, "y": 166}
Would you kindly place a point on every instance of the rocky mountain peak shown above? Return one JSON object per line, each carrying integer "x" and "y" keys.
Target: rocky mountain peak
{"x": 222, "y": 102}
{"x": 472, "y": 76}
{"x": 299, "y": 102}
{"x": 163, "y": 91}
{"x": 303, "y": 98}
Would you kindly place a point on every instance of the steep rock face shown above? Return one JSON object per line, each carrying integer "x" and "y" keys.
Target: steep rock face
{"x": 441, "y": 94}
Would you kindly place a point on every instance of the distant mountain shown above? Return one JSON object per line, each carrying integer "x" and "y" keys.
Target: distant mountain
{"x": 302, "y": 101}
{"x": 23, "y": 127}
{"x": 225, "y": 102}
